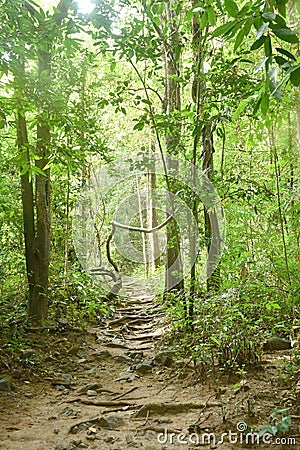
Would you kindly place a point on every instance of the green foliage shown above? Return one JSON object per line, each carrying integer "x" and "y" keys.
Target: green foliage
{"x": 281, "y": 423}
{"x": 105, "y": 98}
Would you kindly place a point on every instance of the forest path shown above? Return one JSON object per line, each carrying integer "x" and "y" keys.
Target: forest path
{"x": 110, "y": 389}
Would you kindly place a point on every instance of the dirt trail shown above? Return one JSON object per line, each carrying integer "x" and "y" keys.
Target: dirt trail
{"x": 110, "y": 389}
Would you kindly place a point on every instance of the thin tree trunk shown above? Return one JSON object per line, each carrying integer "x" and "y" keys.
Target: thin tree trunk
{"x": 27, "y": 204}
{"x": 145, "y": 259}
{"x": 174, "y": 269}
{"x": 67, "y": 232}
{"x": 213, "y": 279}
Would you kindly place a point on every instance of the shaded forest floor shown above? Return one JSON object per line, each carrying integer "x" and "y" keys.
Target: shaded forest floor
{"x": 112, "y": 387}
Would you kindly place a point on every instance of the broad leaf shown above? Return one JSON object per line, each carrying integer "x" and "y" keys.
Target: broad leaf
{"x": 204, "y": 20}
{"x": 268, "y": 46}
{"x": 211, "y": 15}
{"x": 283, "y": 63}
{"x": 261, "y": 65}
{"x": 258, "y": 43}
{"x": 286, "y": 34}
{"x": 265, "y": 103}
{"x": 295, "y": 77}
{"x": 232, "y": 8}
{"x": 269, "y": 15}
{"x": 242, "y": 33}
{"x": 223, "y": 29}
{"x": 281, "y": 5}
{"x": 262, "y": 30}
{"x": 286, "y": 53}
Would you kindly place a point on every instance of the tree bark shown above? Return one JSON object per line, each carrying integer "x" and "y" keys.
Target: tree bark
{"x": 213, "y": 279}
{"x": 172, "y": 102}
{"x": 27, "y": 203}
{"x": 36, "y": 211}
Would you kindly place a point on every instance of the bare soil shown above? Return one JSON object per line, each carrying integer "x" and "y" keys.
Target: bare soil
{"x": 109, "y": 388}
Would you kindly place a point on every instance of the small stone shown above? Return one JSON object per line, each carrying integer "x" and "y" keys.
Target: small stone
{"x": 110, "y": 422}
{"x": 5, "y": 385}
{"x": 98, "y": 437}
{"x": 91, "y": 437}
{"x": 149, "y": 434}
{"x": 136, "y": 356}
{"x": 103, "y": 354}
{"x": 122, "y": 359}
{"x": 88, "y": 387}
{"x": 67, "y": 411}
{"x": 91, "y": 393}
{"x": 126, "y": 376}
{"x": 144, "y": 367}
{"x": 64, "y": 379}
{"x": 109, "y": 439}
{"x": 76, "y": 442}
{"x": 163, "y": 420}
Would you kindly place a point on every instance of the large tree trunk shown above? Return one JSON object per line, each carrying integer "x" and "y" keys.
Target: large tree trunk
{"x": 36, "y": 211}
{"x": 38, "y": 303}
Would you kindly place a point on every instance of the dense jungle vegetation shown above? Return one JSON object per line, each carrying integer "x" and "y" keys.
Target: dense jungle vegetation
{"x": 214, "y": 83}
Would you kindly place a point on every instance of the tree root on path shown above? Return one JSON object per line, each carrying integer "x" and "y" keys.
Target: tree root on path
{"x": 173, "y": 408}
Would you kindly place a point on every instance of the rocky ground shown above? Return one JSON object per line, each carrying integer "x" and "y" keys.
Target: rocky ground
{"x": 113, "y": 388}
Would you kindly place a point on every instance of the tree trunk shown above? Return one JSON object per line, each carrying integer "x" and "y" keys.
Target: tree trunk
{"x": 213, "y": 279}
{"x": 27, "y": 204}
{"x": 36, "y": 212}
{"x": 154, "y": 251}
{"x": 38, "y": 303}
{"x": 172, "y": 102}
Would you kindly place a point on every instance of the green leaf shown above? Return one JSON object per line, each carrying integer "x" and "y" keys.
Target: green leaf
{"x": 256, "y": 107}
{"x": 283, "y": 63}
{"x": 113, "y": 66}
{"x": 268, "y": 46}
{"x": 261, "y": 65}
{"x": 295, "y": 77}
{"x": 243, "y": 104}
{"x": 280, "y": 21}
{"x": 156, "y": 20}
{"x": 231, "y": 8}
{"x": 223, "y": 29}
{"x": 265, "y": 103}
{"x": 269, "y": 15}
{"x": 37, "y": 171}
{"x": 2, "y": 120}
{"x": 286, "y": 53}
{"x": 272, "y": 73}
{"x": 204, "y": 20}
{"x": 277, "y": 86}
{"x": 215, "y": 340}
{"x": 258, "y": 43}
{"x": 211, "y": 15}
{"x": 286, "y": 34}
{"x": 241, "y": 34}
{"x": 281, "y": 6}
{"x": 260, "y": 32}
